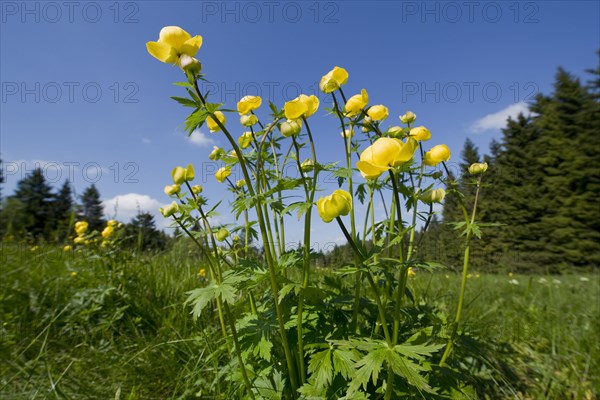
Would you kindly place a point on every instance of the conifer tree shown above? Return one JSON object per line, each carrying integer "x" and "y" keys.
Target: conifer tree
{"x": 35, "y": 196}
{"x": 91, "y": 208}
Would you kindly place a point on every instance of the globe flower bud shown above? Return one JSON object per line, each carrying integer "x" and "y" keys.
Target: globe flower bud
{"x": 114, "y": 223}
{"x": 433, "y": 196}
{"x": 408, "y": 118}
{"x": 301, "y": 106}
{"x": 245, "y": 140}
{"x": 189, "y": 173}
{"x": 336, "y": 204}
{"x": 81, "y": 227}
{"x": 222, "y": 174}
{"x": 356, "y": 103}
{"x": 107, "y": 232}
{"x": 395, "y": 132}
{"x": 240, "y": 183}
{"x": 196, "y": 189}
{"x": 248, "y": 120}
{"x": 378, "y": 112}
{"x": 169, "y": 210}
{"x": 216, "y": 154}
{"x": 384, "y": 154}
{"x": 248, "y": 104}
{"x": 436, "y": 155}
{"x": 478, "y": 168}
{"x": 172, "y": 189}
{"x": 222, "y": 234}
{"x": 236, "y": 238}
{"x": 178, "y": 175}
{"x": 190, "y": 64}
{"x": 347, "y": 133}
{"x": 307, "y": 165}
{"x": 212, "y": 124}
{"x": 290, "y": 127}
{"x": 420, "y": 133}
{"x": 333, "y": 80}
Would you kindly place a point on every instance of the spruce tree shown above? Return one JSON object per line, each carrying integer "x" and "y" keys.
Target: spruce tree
{"x": 35, "y": 196}
{"x": 63, "y": 209}
{"x": 91, "y": 208}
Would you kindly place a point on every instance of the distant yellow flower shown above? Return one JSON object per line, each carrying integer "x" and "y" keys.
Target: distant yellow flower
{"x": 81, "y": 227}
{"x": 290, "y": 127}
{"x": 433, "y": 196}
{"x": 245, "y": 140}
{"x": 67, "y": 248}
{"x": 301, "y": 106}
{"x": 79, "y": 240}
{"x": 34, "y": 248}
{"x": 356, "y": 103}
{"x": 222, "y": 234}
{"x": 336, "y": 204}
{"x": 202, "y": 273}
{"x": 173, "y": 42}
{"x": 436, "y": 155}
{"x": 378, "y": 112}
{"x": 408, "y": 118}
{"x": 172, "y": 189}
{"x": 73, "y": 274}
{"x": 169, "y": 210}
{"x": 510, "y": 274}
{"x": 240, "y": 183}
{"x": 420, "y": 133}
{"x": 222, "y": 174}
{"x": 384, "y": 154}
{"x": 411, "y": 272}
{"x": 249, "y": 120}
{"x": 333, "y": 80}
{"x": 248, "y": 104}
{"x": 112, "y": 222}
{"x": 108, "y": 231}
{"x": 212, "y": 124}
{"x": 478, "y": 168}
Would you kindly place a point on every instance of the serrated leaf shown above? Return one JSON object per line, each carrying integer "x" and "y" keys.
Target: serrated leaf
{"x": 320, "y": 368}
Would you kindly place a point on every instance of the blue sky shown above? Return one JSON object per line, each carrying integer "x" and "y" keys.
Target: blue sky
{"x": 83, "y": 98}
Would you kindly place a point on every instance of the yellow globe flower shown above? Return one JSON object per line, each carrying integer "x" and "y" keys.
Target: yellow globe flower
{"x": 107, "y": 232}
{"x": 248, "y": 103}
{"x": 181, "y": 175}
{"x": 433, "y": 196}
{"x": 333, "y": 80}
{"x": 478, "y": 168}
{"x": 240, "y": 183}
{"x": 248, "y": 120}
{"x": 173, "y": 42}
{"x": 216, "y": 154}
{"x": 420, "y": 133}
{"x": 213, "y": 126}
{"x": 395, "y": 132}
{"x": 222, "y": 174}
{"x": 408, "y": 118}
{"x": 336, "y": 204}
{"x": 67, "y": 248}
{"x": 113, "y": 223}
{"x": 169, "y": 210}
{"x": 384, "y": 154}
{"x": 301, "y": 106}
{"x": 79, "y": 240}
{"x": 74, "y": 274}
{"x": 290, "y": 127}
{"x": 436, "y": 155}
{"x": 378, "y": 112}
{"x": 411, "y": 272}
{"x": 222, "y": 234}
{"x": 81, "y": 227}
{"x": 172, "y": 189}
{"x": 202, "y": 273}
{"x": 245, "y": 140}
{"x": 307, "y": 165}
{"x": 356, "y": 103}
{"x": 196, "y": 189}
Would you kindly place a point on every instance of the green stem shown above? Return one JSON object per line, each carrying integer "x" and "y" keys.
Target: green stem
{"x": 463, "y": 285}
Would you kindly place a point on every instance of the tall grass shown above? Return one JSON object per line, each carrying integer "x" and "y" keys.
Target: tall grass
{"x": 84, "y": 325}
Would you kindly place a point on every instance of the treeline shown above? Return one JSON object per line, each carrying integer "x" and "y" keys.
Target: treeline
{"x": 542, "y": 188}
{"x": 36, "y": 212}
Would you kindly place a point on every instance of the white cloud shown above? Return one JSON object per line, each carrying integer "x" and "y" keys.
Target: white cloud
{"x": 126, "y": 206}
{"x": 497, "y": 120}
{"x": 200, "y": 139}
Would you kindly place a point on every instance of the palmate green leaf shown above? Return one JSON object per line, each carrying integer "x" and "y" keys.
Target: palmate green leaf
{"x": 417, "y": 351}
{"x": 320, "y": 368}
{"x": 404, "y": 367}
{"x": 200, "y": 297}
{"x": 344, "y": 362}
{"x": 184, "y": 84}
{"x": 185, "y": 102}
{"x": 361, "y": 193}
{"x": 195, "y": 120}
{"x": 368, "y": 368}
